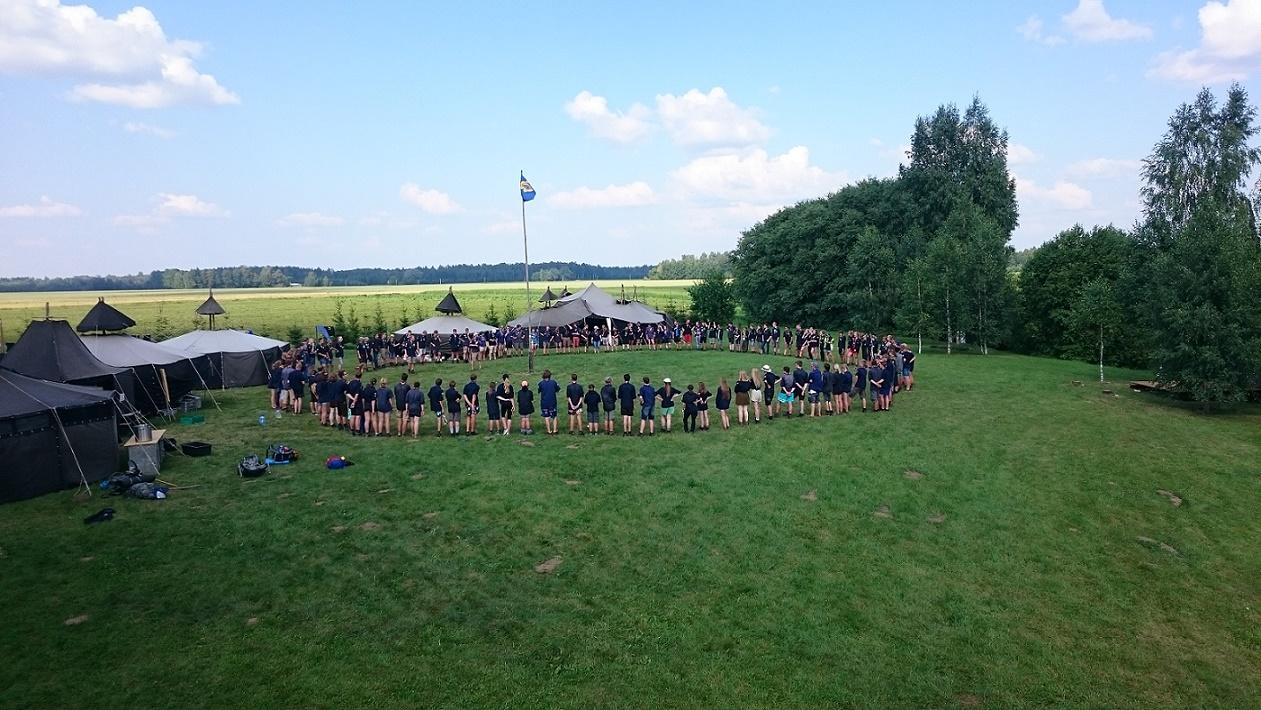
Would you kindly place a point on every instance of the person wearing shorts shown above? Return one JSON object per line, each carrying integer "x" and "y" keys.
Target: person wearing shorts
{"x": 608, "y": 401}
{"x": 435, "y": 403}
{"x": 647, "y": 403}
{"x": 471, "y": 408}
{"x": 626, "y": 398}
{"x": 787, "y": 391}
{"x": 492, "y": 409}
{"x": 525, "y": 407}
{"x": 452, "y": 396}
{"x": 548, "y": 391}
{"x": 592, "y": 401}
{"x": 573, "y": 400}
{"x": 666, "y": 394}
{"x": 503, "y": 393}
{"x": 743, "y": 389}
{"x": 415, "y": 400}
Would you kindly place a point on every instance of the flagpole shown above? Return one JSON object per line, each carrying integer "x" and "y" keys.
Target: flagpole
{"x": 529, "y": 340}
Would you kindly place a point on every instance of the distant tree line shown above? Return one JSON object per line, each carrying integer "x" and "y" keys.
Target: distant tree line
{"x": 927, "y": 253}
{"x": 266, "y": 276}
{"x": 693, "y": 267}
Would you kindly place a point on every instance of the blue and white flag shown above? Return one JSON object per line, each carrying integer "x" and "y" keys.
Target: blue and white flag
{"x": 527, "y": 190}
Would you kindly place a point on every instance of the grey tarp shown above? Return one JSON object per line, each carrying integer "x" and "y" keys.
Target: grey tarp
{"x": 239, "y": 359}
{"x": 50, "y": 350}
{"x": 153, "y": 364}
{"x": 444, "y": 325}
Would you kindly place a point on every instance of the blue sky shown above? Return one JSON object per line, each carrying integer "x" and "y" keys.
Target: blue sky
{"x": 179, "y": 134}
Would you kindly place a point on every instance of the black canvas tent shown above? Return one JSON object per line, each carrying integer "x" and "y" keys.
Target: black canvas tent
{"x": 50, "y": 350}
{"x": 53, "y": 436}
{"x": 238, "y": 359}
{"x": 592, "y": 304}
{"x": 449, "y": 304}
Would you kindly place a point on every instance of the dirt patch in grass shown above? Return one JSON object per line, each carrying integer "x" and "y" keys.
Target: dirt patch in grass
{"x": 87, "y": 558}
{"x": 882, "y": 512}
{"x": 1174, "y": 499}
{"x": 417, "y": 476}
{"x": 810, "y": 495}
{"x": 319, "y": 502}
{"x": 339, "y": 528}
{"x": 1157, "y": 544}
{"x": 253, "y": 620}
{"x": 370, "y": 526}
{"x": 76, "y": 620}
{"x": 912, "y": 475}
{"x": 548, "y": 566}
{"x": 573, "y": 446}
{"x": 571, "y": 482}
{"x": 937, "y": 518}
{"x": 523, "y": 442}
{"x": 283, "y": 496}
{"x": 969, "y": 700}
{"x": 385, "y": 490}
{"x": 430, "y": 516}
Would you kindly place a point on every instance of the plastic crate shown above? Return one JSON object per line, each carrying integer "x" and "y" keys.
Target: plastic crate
{"x": 190, "y": 402}
{"x": 192, "y": 419}
{"x": 196, "y": 448}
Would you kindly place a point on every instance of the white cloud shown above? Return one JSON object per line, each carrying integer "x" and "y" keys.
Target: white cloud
{"x": 632, "y": 194}
{"x": 46, "y": 37}
{"x": 1230, "y": 46}
{"x": 171, "y": 205}
{"x": 431, "y": 201}
{"x": 148, "y": 129}
{"x": 1105, "y": 167}
{"x": 618, "y": 126}
{"x": 1090, "y": 22}
{"x": 46, "y": 207}
{"x": 503, "y": 226}
{"x": 310, "y": 219}
{"x": 756, "y": 177}
{"x": 1063, "y": 194}
{"x": 1032, "y": 30}
{"x": 712, "y": 119}
{"x": 1020, "y": 154}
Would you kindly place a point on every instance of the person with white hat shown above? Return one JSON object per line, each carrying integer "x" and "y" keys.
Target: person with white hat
{"x": 666, "y": 394}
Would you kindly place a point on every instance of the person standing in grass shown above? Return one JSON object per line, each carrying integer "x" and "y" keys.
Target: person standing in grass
{"x": 592, "y": 400}
{"x": 690, "y": 410}
{"x": 814, "y": 389}
{"x": 908, "y": 368}
{"x": 666, "y": 394}
{"x": 769, "y": 382}
{"x": 336, "y": 400}
{"x": 435, "y": 404}
{"x": 703, "y": 396}
{"x": 722, "y": 400}
{"x": 549, "y": 389}
{"x": 297, "y": 379}
{"x": 383, "y": 409}
{"x": 860, "y": 383}
{"x": 573, "y": 398}
{"x": 829, "y": 386}
{"x": 890, "y": 378}
{"x": 492, "y": 410}
{"x": 415, "y": 400}
{"x": 647, "y": 403}
{"x": 354, "y": 399}
{"x": 787, "y": 392}
{"x": 608, "y": 400}
{"x": 743, "y": 387}
{"x": 875, "y": 380}
{"x": 400, "y": 401}
{"x": 801, "y": 384}
{"x": 525, "y": 407}
{"x": 453, "y": 408}
{"x": 471, "y": 408}
{"x": 503, "y": 393}
{"x": 626, "y": 397}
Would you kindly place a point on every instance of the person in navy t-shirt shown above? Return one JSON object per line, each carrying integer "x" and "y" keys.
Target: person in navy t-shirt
{"x": 573, "y": 399}
{"x": 626, "y": 398}
{"x": 548, "y": 391}
{"x": 647, "y": 403}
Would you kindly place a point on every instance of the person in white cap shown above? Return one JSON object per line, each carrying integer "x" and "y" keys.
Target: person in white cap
{"x": 666, "y": 394}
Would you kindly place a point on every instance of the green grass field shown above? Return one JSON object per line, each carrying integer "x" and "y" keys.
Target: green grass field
{"x": 272, "y": 311}
{"x": 1013, "y": 573}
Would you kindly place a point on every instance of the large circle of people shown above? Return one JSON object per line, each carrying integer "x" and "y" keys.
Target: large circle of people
{"x": 830, "y": 374}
